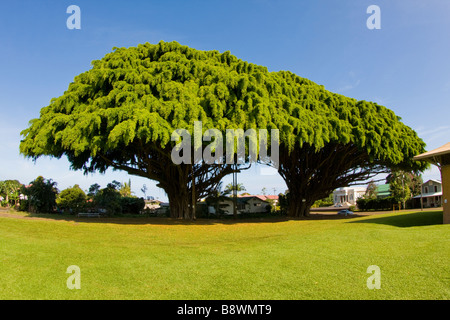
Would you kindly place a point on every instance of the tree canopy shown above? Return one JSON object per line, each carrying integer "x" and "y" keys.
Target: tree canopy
{"x": 122, "y": 112}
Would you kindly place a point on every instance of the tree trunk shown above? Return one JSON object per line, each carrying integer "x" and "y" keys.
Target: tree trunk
{"x": 299, "y": 206}
{"x": 180, "y": 201}
{"x": 179, "y": 208}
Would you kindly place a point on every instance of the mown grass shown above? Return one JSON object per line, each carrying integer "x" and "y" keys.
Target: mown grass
{"x": 167, "y": 259}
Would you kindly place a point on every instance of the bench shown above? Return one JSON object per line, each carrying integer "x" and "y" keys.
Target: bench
{"x": 89, "y": 215}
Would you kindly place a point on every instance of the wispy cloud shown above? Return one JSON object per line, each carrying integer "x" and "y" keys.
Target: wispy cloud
{"x": 432, "y": 135}
{"x": 348, "y": 87}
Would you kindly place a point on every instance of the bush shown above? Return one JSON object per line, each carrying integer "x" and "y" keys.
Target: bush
{"x": 109, "y": 200}
{"x": 72, "y": 200}
{"x": 132, "y": 205}
{"x": 375, "y": 204}
{"x": 41, "y": 195}
{"x": 23, "y": 206}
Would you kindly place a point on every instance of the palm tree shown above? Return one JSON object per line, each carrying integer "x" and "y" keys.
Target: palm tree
{"x": 239, "y": 187}
{"x": 125, "y": 189}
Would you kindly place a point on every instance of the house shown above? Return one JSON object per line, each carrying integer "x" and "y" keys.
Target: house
{"x": 347, "y": 196}
{"x": 431, "y": 196}
{"x": 440, "y": 157}
{"x": 245, "y": 204}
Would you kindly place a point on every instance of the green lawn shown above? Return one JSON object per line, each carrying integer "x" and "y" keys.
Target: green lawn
{"x": 166, "y": 259}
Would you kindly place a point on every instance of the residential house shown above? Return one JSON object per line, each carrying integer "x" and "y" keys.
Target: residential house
{"x": 431, "y": 196}
{"x": 245, "y": 204}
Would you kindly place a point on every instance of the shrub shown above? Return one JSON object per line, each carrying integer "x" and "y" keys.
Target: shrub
{"x": 109, "y": 200}
{"x": 72, "y": 200}
{"x": 41, "y": 195}
{"x": 132, "y": 205}
{"x": 375, "y": 204}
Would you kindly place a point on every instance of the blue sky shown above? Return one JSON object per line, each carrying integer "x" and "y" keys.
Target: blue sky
{"x": 403, "y": 66}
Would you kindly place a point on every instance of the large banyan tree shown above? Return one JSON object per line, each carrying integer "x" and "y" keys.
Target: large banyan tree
{"x": 121, "y": 114}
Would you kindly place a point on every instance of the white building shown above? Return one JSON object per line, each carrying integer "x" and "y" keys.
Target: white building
{"x": 347, "y": 196}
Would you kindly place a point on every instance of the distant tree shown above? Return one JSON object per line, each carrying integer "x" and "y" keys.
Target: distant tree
{"x": 416, "y": 184}
{"x": 116, "y": 185}
{"x": 325, "y": 202}
{"x": 125, "y": 189}
{"x": 283, "y": 202}
{"x": 132, "y": 205}
{"x": 239, "y": 187}
{"x": 72, "y": 199}
{"x": 10, "y": 191}
{"x": 93, "y": 190}
{"x": 399, "y": 182}
{"x": 371, "y": 191}
{"x": 41, "y": 195}
{"x": 264, "y": 191}
{"x": 144, "y": 191}
{"x": 109, "y": 198}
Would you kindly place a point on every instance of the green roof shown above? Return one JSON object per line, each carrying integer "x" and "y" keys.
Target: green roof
{"x": 383, "y": 189}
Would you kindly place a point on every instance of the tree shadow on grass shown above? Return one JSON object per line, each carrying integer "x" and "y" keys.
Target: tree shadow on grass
{"x": 136, "y": 220}
{"x": 407, "y": 220}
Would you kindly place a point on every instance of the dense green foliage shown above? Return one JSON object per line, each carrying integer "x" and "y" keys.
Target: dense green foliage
{"x": 371, "y": 191}
{"x": 121, "y": 114}
{"x": 404, "y": 185}
{"x": 10, "y": 192}
{"x": 113, "y": 200}
{"x": 72, "y": 200}
{"x": 132, "y": 205}
{"x": 41, "y": 195}
{"x": 376, "y": 204}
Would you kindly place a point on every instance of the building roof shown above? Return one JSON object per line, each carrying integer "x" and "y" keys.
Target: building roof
{"x": 426, "y": 195}
{"x": 383, "y": 187}
{"x": 437, "y": 181}
{"x": 354, "y": 188}
{"x": 433, "y": 154}
{"x": 245, "y": 198}
{"x": 383, "y": 190}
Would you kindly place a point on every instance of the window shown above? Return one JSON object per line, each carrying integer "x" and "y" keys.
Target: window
{"x": 426, "y": 189}
{"x": 435, "y": 189}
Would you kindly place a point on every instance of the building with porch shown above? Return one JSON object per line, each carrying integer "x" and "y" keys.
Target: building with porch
{"x": 440, "y": 157}
{"x": 347, "y": 196}
{"x": 431, "y": 196}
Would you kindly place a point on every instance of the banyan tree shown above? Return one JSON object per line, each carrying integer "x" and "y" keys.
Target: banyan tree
{"x": 122, "y": 114}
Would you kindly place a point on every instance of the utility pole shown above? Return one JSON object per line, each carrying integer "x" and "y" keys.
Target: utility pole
{"x": 193, "y": 192}
{"x": 235, "y": 191}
